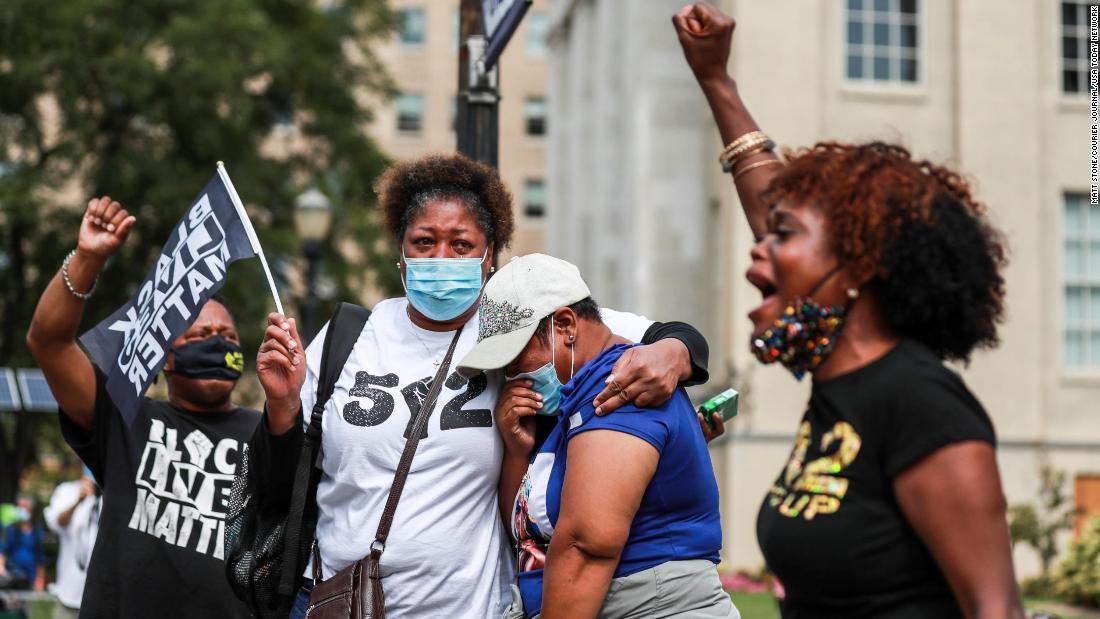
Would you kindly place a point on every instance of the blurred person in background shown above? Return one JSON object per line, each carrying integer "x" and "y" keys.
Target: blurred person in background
{"x": 875, "y": 268}
{"x": 22, "y": 559}
{"x": 73, "y": 514}
{"x": 166, "y": 477}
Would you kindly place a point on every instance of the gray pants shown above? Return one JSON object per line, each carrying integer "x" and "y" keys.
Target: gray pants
{"x": 687, "y": 589}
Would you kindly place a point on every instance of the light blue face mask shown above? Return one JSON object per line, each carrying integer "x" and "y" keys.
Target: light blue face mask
{"x": 545, "y": 380}
{"x": 443, "y": 288}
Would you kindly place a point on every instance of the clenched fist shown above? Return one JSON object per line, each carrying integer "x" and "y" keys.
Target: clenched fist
{"x": 104, "y": 228}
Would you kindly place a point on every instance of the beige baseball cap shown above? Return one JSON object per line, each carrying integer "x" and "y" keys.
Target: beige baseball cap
{"x": 522, "y": 293}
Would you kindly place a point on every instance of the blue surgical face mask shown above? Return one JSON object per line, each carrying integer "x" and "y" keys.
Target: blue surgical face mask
{"x": 546, "y": 382}
{"x": 443, "y": 288}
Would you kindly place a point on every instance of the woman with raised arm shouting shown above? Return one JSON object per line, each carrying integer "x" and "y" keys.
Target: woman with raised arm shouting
{"x": 875, "y": 268}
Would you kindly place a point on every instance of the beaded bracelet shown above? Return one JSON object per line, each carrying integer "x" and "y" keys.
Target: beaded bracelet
{"x": 69, "y": 284}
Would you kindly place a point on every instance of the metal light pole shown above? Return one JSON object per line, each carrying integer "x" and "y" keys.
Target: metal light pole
{"x": 478, "y": 94}
{"x": 312, "y": 218}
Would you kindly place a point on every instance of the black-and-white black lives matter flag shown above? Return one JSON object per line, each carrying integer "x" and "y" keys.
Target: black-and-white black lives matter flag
{"x": 131, "y": 345}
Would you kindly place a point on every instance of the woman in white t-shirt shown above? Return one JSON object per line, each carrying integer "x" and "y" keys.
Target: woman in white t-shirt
{"x": 446, "y": 555}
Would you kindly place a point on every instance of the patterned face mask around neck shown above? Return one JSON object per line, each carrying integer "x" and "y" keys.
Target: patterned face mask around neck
{"x": 805, "y": 334}
{"x": 443, "y": 288}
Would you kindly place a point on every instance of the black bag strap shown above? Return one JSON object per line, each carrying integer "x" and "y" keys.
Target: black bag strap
{"x": 344, "y": 327}
{"x": 405, "y": 464}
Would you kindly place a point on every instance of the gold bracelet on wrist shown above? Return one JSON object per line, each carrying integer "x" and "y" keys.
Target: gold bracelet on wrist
{"x": 740, "y": 141}
{"x": 730, "y": 161}
{"x": 753, "y": 166}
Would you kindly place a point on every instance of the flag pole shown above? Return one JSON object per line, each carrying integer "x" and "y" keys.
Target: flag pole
{"x": 252, "y": 238}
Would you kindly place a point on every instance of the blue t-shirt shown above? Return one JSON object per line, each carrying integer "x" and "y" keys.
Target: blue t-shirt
{"x": 23, "y": 550}
{"x": 678, "y": 517}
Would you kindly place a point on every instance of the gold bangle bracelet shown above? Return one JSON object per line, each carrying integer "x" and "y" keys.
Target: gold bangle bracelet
{"x": 734, "y": 155}
{"x": 753, "y": 148}
{"x": 756, "y": 151}
{"x": 753, "y": 166}
{"x": 749, "y": 150}
{"x": 740, "y": 141}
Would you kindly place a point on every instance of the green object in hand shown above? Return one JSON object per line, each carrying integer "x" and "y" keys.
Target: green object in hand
{"x": 725, "y": 404}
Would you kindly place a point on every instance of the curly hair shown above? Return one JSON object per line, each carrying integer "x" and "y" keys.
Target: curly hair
{"x": 409, "y": 186}
{"x": 914, "y": 231}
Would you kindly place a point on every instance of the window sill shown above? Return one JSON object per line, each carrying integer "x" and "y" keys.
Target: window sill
{"x": 1081, "y": 377}
{"x": 1078, "y": 103}
{"x": 888, "y": 91}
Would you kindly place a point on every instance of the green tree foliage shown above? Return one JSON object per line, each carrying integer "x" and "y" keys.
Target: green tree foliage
{"x": 139, "y": 99}
{"x": 1077, "y": 577}
{"x": 1039, "y": 526}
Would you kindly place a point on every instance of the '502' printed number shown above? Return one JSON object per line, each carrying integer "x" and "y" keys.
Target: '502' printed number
{"x": 382, "y": 404}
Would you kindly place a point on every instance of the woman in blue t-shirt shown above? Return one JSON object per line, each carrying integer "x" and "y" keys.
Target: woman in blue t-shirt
{"x": 612, "y": 516}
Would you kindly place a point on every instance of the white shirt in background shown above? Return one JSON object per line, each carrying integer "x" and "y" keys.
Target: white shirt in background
{"x": 75, "y": 540}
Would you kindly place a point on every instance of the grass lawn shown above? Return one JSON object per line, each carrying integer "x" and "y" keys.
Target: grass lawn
{"x": 1054, "y": 608}
{"x": 763, "y": 606}
{"x": 756, "y": 605}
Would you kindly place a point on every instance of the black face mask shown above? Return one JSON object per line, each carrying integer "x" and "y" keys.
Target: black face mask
{"x": 213, "y": 357}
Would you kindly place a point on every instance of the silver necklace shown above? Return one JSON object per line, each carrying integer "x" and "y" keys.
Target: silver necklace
{"x": 436, "y": 357}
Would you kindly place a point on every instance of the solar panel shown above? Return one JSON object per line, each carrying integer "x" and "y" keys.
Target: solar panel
{"x": 36, "y": 393}
{"x": 9, "y": 395}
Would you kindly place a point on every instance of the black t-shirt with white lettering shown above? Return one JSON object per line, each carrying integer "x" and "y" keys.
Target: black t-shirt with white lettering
{"x": 166, "y": 481}
{"x": 830, "y": 527}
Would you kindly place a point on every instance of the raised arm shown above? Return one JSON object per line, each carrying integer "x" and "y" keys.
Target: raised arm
{"x": 281, "y": 367}
{"x": 953, "y": 500}
{"x": 606, "y": 474}
{"x": 705, "y": 34}
{"x": 52, "y": 335}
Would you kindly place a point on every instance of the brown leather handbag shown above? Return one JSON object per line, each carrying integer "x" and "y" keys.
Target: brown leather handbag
{"x": 355, "y": 592}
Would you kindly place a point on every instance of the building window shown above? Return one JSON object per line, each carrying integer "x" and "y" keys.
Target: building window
{"x": 538, "y": 24}
{"x": 1075, "y": 37}
{"x": 534, "y": 198}
{"x": 1081, "y": 274}
{"x": 882, "y": 37}
{"x": 413, "y": 24}
{"x": 534, "y": 111}
{"x": 410, "y": 113}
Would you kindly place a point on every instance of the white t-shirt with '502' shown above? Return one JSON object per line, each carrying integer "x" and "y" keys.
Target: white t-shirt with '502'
{"x": 447, "y": 553}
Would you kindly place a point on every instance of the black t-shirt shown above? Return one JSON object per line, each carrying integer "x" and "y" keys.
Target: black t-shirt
{"x": 830, "y": 527}
{"x": 166, "y": 481}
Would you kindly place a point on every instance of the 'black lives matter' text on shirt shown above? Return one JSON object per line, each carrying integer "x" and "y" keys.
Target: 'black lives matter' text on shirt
{"x": 166, "y": 481}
